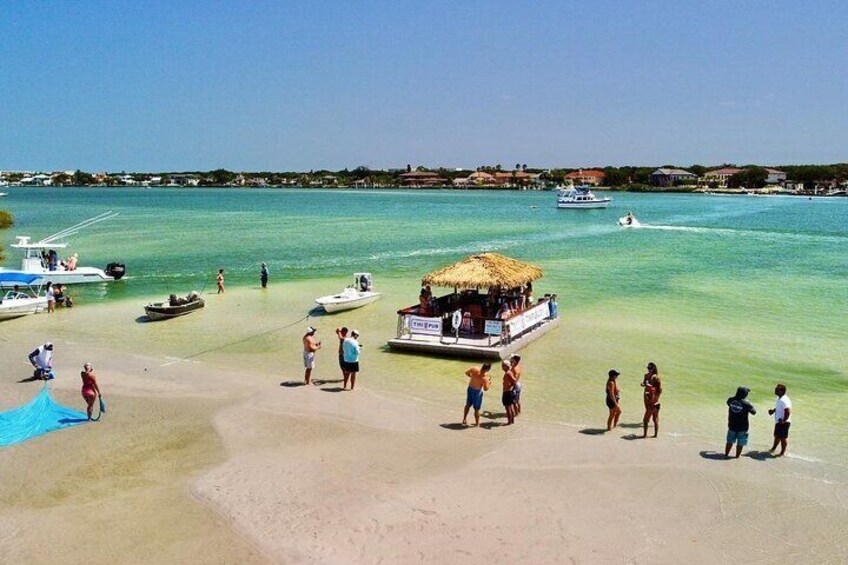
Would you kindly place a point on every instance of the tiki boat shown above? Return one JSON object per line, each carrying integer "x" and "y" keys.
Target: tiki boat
{"x": 470, "y": 322}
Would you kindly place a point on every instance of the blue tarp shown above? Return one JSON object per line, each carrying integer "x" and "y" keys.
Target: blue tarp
{"x": 40, "y": 416}
{"x": 8, "y": 278}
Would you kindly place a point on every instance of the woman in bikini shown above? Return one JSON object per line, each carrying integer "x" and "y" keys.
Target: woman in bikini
{"x": 653, "y": 389}
{"x": 613, "y": 394}
{"x": 90, "y": 390}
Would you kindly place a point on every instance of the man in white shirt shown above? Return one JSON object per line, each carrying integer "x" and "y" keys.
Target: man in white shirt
{"x": 782, "y": 412}
{"x": 42, "y": 360}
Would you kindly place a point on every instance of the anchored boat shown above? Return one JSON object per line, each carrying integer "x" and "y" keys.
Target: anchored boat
{"x": 580, "y": 198}
{"x": 174, "y": 307}
{"x": 355, "y": 296}
{"x": 42, "y": 259}
{"x": 16, "y": 303}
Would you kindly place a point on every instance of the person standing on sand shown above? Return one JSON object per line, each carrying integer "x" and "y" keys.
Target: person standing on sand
{"x": 738, "y": 409}
{"x": 782, "y": 412}
{"x": 310, "y": 346}
{"x": 351, "y": 350}
{"x": 90, "y": 390}
{"x": 341, "y": 333}
{"x": 220, "y": 280}
{"x": 508, "y": 397}
{"x": 51, "y": 297}
{"x": 263, "y": 275}
{"x": 479, "y": 382}
{"x": 517, "y": 369}
{"x": 613, "y": 394}
{"x": 652, "y": 392}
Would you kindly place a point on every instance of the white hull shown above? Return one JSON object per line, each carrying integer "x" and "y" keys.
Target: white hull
{"x": 346, "y": 301}
{"x": 79, "y": 275}
{"x": 18, "y": 307}
{"x": 593, "y": 205}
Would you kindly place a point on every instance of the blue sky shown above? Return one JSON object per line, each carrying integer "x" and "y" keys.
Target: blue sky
{"x": 183, "y": 85}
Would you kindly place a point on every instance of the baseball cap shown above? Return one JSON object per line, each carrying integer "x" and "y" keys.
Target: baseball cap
{"x": 310, "y": 330}
{"x": 613, "y": 373}
{"x": 354, "y": 332}
{"x": 48, "y": 345}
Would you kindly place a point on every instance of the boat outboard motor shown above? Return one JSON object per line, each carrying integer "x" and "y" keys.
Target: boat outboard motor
{"x": 116, "y": 270}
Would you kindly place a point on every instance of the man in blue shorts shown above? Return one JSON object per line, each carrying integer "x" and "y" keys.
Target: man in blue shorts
{"x": 738, "y": 409}
{"x": 479, "y": 381}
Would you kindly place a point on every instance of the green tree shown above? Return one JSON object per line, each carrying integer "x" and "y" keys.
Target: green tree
{"x": 615, "y": 177}
{"x": 752, "y": 177}
{"x": 81, "y": 178}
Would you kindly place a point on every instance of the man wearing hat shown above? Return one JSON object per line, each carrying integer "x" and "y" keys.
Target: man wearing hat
{"x": 42, "y": 359}
{"x": 310, "y": 346}
{"x": 350, "y": 352}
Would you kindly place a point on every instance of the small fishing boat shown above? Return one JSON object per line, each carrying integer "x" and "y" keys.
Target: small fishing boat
{"x": 3, "y": 194}
{"x": 42, "y": 259}
{"x": 17, "y": 303}
{"x": 629, "y": 221}
{"x": 174, "y": 307}
{"x": 355, "y": 296}
{"x": 580, "y": 198}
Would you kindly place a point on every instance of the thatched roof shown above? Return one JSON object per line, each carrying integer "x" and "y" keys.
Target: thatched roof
{"x": 484, "y": 270}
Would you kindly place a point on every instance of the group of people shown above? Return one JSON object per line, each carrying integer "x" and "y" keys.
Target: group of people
{"x": 56, "y": 296}
{"x": 263, "y": 278}
{"x": 480, "y": 381}
{"x": 739, "y": 408}
{"x": 51, "y": 262}
{"x": 349, "y": 353}
{"x": 41, "y": 358}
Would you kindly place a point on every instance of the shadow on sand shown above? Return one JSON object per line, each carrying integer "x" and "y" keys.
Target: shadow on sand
{"x": 29, "y": 380}
{"x": 143, "y": 319}
{"x": 333, "y": 389}
{"x": 593, "y": 431}
{"x": 493, "y": 415}
{"x": 760, "y": 455}
{"x": 454, "y": 426}
{"x": 631, "y": 437}
{"x": 322, "y": 382}
{"x": 490, "y": 425}
{"x": 636, "y": 426}
{"x": 292, "y": 384}
{"x": 713, "y": 456}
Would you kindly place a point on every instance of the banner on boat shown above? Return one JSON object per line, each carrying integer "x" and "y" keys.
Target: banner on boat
{"x": 424, "y": 326}
{"x": 527, "y": 319}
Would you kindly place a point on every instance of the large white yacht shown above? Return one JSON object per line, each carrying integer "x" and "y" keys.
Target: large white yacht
{"x": 37, "y": 260}
{"x": 580, "y": 197}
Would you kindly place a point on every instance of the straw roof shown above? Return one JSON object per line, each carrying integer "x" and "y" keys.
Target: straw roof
{"x": 484, "y": 270}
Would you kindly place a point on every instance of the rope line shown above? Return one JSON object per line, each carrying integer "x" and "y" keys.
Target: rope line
{"x": 248, "y": 338}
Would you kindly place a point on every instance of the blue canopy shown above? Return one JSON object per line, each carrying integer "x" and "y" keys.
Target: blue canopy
{"x": 40, "y": 416}
{"x": 17, "y": 277}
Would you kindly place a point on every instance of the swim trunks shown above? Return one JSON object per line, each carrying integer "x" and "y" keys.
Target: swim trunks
{"x": 781, "y": 431}
{"x": 352, "y": 367}
{"x": 474, "y": 397}
{"x": 516, "y": 393}
{"x": 508, "y": 398}
{"x": 740, "y": 438}
{"x": 309, "y": 359}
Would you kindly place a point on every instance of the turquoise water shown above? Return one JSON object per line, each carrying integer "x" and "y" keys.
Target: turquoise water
{"x": 719, "y": 291}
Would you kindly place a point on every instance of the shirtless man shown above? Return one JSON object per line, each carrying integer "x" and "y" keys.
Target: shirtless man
{"x": 508, "y": 396}
{"x": 653, "y": 390}
{"x": 479, "y": 381}
{"x": 310, "y": 346}
{"x": 517, "y": 369}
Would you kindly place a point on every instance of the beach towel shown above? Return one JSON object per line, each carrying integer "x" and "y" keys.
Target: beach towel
{"x": 41, "y": 415}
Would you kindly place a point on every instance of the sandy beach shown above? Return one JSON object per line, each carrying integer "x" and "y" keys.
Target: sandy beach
{"x": 225, "y": 458}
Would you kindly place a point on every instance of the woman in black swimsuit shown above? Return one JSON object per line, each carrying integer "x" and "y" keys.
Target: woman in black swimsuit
{"x": 613, "y": 394}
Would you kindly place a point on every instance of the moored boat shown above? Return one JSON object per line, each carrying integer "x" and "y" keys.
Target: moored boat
{"x": 42, "y": 259}
{"x": 580, "y": 198}
{"x": 174, "y": 307}
{"x": 358, "y": 295}
{"x": 17, "y": 303}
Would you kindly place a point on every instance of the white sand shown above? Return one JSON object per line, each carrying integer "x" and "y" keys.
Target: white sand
{"x": 217, "y": 463}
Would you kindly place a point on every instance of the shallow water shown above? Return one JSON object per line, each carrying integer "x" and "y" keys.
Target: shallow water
{"x": 718, "y": 291}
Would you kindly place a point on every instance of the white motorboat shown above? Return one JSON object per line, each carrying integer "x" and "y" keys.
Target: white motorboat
{"x": 36, "y": 260}
{"x": 629, "y": 221}
{"x": 580, "y": 198}
{"x": 2, "y": 194}
{"x": 355, "y": 296}
{"x": 16, "y": 303}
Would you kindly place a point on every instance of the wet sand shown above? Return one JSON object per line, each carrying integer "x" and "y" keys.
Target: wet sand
{"x": 211, "y": 460}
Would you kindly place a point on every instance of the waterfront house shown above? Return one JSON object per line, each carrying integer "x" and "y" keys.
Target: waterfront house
{"x": 422, "y": 179}
{"x": 717, "y": 178}
{"x": 775, "y": 176}
{"x": 671, "y": 177}
{"x": 591, "y": 177}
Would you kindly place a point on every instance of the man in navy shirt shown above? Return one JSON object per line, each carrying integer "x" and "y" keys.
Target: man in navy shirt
{"x": 738, "y": 409}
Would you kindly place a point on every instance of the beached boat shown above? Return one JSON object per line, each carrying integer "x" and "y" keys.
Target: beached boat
{"x": 580, "y": 198}
{"x": 2, "y": 194}
{"x": 355, "y": 296}
{"x": 36, "y": 259}
{"x": 174, "y": 307}
{"x": 16, "y": 303}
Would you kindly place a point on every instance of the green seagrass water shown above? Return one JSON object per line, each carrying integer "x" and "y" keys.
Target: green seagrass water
{"x": 718, "y": 291}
